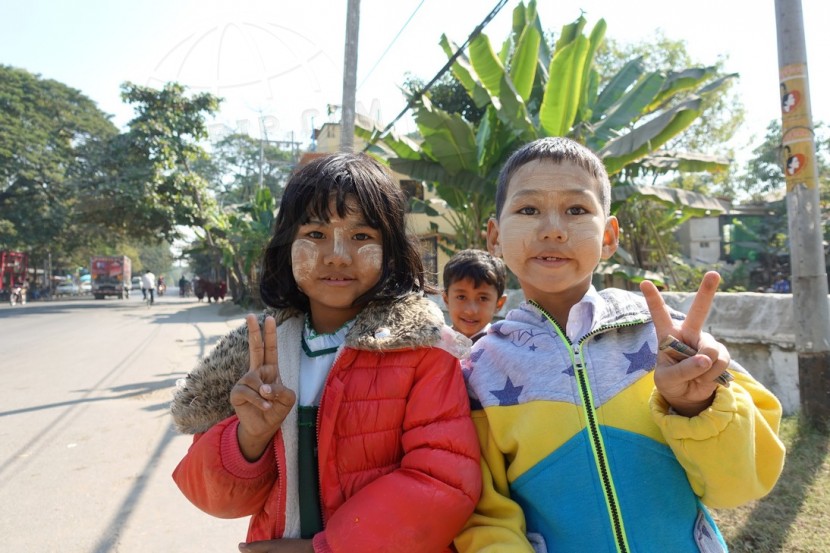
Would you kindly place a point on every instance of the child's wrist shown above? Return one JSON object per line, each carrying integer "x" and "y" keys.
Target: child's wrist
{"x": 689, "y": 409}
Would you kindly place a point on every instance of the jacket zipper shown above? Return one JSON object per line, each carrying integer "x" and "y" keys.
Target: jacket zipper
{"x": 591, "y": 423}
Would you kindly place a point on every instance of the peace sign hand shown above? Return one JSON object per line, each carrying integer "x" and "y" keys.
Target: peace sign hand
{"x": 259, "y": 398}
{"x": 687, "y": 384}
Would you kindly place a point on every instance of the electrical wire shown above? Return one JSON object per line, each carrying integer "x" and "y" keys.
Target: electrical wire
{"x": 418, "y": 7}
{"x": 417, "y": 96}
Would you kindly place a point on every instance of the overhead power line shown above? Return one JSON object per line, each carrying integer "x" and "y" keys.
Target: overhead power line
{"x": 418, "y": 7}
{"x": 417, "y": 95}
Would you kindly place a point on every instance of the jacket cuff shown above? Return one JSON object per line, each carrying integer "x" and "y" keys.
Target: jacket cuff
{"x": 710, "y": 422}
{"x": 320, "y": 543}
{"x": 236, "y": 463}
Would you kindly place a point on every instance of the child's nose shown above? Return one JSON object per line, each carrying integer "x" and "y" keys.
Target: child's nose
{"x": 339, "y": 252}
{"x": 554, "y": 227}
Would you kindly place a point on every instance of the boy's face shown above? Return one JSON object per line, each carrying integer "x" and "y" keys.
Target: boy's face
{"x": 553, "y": 232}
{"x": 471, "y": 307}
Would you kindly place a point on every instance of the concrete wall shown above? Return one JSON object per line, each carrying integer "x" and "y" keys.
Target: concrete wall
{"x": 756, "y": 328}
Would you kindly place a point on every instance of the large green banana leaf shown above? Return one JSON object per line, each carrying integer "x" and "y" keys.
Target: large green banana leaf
{"x": 650, "y": 136}
{"x": 448, "y": 138}
{"x": 487, "y": 64}
{"x": 588, "y": 74}
{"x": 663, "y": 161}
{"x": 399, "y": 145}
{"x": 563, "y": 91}
{"x": 628, "y": 109}
{"x": 525, "y": 59}
{"x": 691, "y": 204}
{"x": 617, "y": 86}
{"x": 462, "y": 70}
{"x": 678, "y": 81}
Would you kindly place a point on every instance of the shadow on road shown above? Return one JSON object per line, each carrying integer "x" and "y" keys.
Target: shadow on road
{"x": 191, "y": 309}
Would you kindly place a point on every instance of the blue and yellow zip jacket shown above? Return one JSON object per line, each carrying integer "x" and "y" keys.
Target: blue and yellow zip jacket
{"x": 580, "y": 453}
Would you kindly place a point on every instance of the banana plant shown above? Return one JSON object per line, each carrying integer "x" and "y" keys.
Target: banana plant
{"x": 531, "y": 91}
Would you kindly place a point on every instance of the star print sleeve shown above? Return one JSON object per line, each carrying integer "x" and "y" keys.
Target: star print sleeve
{"x": 498, "y": 524}
{"x": 731, "y": 451}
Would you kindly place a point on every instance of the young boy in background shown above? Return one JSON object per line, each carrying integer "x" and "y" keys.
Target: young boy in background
{"x": 474, "y": 283}
{"x": 593, "y": 438}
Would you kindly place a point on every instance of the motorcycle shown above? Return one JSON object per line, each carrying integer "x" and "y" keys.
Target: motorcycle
{"x": 162, "y": 288}
{"x": 18, "y": 295}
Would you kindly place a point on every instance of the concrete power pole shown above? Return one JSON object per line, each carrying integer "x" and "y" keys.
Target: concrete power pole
{"x": 809, "y": 282}
{"x": 349, "y": 76}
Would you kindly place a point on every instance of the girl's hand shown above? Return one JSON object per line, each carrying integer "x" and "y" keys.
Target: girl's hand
{"x": 277, "y": 546}
{"x": 259, "y": 398}
{"x": 687, "y": 384}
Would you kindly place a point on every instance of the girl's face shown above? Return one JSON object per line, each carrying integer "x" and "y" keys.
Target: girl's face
{"x": 335, "y": 263}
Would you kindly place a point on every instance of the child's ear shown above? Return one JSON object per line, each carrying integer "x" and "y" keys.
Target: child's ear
{"x": 500, "y": 302}
{"x": 493, "y": 245}
{"x": 445, "y": 297}
{"x": 610, "y": 237}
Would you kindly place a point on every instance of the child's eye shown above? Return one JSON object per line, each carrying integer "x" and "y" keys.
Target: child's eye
{"x": 316, "y": 234}
{"x": 361, "y": 236}
{"x": 528, "y": 211}
{"x": 577, "y": 210}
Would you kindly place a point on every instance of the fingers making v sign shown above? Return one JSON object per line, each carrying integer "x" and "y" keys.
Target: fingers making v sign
{"x": 260, "y": 399}
{"x": 687, "y": 382}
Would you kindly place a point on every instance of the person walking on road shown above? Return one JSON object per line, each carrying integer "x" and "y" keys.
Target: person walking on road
{"x": 148, "y": 285}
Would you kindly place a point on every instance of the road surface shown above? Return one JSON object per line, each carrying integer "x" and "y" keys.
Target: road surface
{"x": 86, "y": 441}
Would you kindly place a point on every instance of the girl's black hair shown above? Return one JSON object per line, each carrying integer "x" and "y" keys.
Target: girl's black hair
{"x": 343, "y": 176}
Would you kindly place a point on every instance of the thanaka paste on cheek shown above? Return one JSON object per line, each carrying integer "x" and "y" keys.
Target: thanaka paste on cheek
{"x": 583, "y": 231}
{"x": 371, "y": 256}
{"x": 304, "y": 254}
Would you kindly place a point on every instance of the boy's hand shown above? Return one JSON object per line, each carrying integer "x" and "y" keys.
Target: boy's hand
{"x": 687, "y": 384}
{"x": 259, "y": 398}
{"x": 277, "y": 546}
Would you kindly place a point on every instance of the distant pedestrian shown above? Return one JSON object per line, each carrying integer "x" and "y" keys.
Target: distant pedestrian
{"x": 148, "y": 285}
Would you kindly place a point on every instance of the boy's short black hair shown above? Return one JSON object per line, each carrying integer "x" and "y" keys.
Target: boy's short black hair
{"x": 556, "y": 149}
{"x": 477, "y": 265}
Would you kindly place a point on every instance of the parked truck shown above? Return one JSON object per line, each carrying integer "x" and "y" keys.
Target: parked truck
{"x": 13, "y": 271}
{"x": 110, "y": 276}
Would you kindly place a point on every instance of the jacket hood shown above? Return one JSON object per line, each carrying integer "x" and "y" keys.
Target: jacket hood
{"x": 203, "y": 398}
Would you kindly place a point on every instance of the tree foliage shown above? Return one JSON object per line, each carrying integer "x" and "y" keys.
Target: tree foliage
{"x": 72, "y": 186}
{"x": 247, "y": 177}
{"x": 48, "y": 133}
{"x": 241, "y": 165}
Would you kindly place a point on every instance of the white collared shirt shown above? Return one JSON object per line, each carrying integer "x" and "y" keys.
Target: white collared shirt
{"x": 582, "y": 317}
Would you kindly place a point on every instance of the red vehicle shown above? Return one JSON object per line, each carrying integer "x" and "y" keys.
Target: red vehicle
{"x": 110, "y": 275}
{"x": 14, "y": 267}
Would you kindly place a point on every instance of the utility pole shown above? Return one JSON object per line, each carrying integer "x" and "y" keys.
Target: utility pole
{"x": 809, "y": 272}
{"x": 349, "y": 76}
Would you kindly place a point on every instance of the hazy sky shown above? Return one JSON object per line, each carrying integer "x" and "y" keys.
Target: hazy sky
{"x": 281, "y": 62}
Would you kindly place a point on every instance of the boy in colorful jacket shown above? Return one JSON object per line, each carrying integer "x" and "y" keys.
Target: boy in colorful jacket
{"x": 593, "y": 438}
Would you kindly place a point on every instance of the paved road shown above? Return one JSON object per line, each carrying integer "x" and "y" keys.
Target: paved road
{"x": 86, "y": 441}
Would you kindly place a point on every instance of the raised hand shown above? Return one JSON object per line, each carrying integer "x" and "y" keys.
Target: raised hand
{"x": 687, "y": 384}
{"x": 259, "y": 398}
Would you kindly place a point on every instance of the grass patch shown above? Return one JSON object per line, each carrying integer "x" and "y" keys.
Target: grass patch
{"x": 795, "y": 516}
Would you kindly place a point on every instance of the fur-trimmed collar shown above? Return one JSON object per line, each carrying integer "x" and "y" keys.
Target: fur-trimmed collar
{"x": 203, "y": 398}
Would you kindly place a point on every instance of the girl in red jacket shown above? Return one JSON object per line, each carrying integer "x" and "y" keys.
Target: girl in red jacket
{"x": 337, "y": 420}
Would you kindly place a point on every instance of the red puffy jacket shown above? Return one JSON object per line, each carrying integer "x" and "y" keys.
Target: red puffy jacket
{"x": 398, "y": 454}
